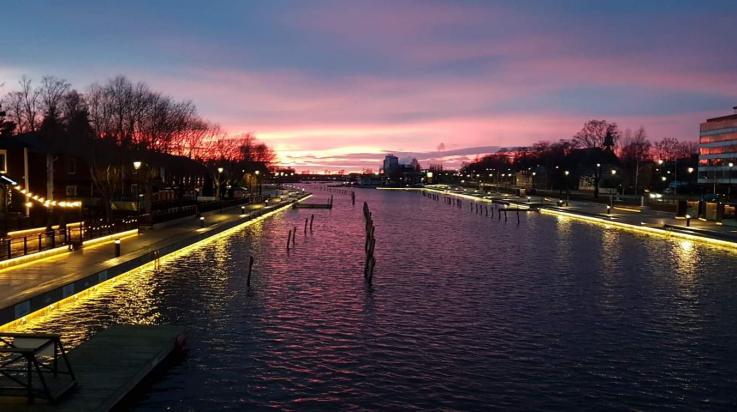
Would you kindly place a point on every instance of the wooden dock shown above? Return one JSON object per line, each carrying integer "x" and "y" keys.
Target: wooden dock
{"x": 109, "y": 367}
{"x": 313, "y": 206}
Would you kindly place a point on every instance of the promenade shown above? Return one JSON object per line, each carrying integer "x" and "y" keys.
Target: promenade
{"x": 640, "y": 219}
{"x": 31, "y": 286}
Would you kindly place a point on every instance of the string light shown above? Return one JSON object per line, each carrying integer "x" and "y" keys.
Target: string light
{"x": 45, "y": 202}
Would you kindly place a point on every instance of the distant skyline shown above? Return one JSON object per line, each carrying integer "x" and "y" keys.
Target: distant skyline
{"x": 338, "y": 84}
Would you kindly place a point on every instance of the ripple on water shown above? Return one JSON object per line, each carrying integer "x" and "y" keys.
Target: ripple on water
{"x": 466, "y": 312}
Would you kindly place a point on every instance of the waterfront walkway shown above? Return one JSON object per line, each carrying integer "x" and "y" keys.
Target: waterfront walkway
{"x": 627, "y": 217}
{"x": 30, "y": 286}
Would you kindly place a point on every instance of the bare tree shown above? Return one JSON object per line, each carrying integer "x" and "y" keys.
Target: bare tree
{"x": 666, "y": 149}
{"x": 51, "y": 93}
{"x": 635, "y": 151}
{"x": 597, "y": 133}
{"x": 29, "y": 104}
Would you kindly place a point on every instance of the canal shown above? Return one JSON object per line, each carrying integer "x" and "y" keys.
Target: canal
{"x": 466, "y": 312}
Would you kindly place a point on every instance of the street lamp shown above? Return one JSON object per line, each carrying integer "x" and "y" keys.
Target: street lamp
{"x": 258, "y": 172}
{"x": 136, "y": 166}
{"x": 219, "y": 183}
{"x": 567, "y": 190}
{"x": 729, "y": 180}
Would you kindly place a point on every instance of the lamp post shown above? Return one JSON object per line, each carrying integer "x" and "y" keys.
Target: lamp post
{"x": 137, "y": 166}
{"x": 219, "y": 183}
{"x": 567, "y": 192}
{"x": 258, "y": 183}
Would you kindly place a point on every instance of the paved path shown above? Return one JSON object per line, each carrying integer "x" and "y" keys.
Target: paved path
{"x": 19, "y": 283}
{"x": 625, "y": 214}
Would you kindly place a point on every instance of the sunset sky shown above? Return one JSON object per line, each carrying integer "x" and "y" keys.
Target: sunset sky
{"x": 337, "y": 84}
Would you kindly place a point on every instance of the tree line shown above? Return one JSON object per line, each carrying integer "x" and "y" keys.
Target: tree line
{"x": 114, "y": 123}
{"x": 599, "y": 147}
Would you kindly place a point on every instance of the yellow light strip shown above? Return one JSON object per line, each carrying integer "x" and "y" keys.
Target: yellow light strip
{"x": 461, "y": 195}
{"x": 644, "y": 229}
{"x": 44, "y": 255}
{"x": 726, "y": 244}
{"x": 106, "y": 285}
{"x": 627, "y": 209}
{"x": 32, "y": 258}
{"x": 119, "y": 235}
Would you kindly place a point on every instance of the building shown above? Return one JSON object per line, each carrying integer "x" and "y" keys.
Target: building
{"x": 718, "y": 152}
{"x": 391, "y": 165}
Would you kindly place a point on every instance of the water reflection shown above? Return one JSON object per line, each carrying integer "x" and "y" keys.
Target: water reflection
{"x": 466, "y": 312}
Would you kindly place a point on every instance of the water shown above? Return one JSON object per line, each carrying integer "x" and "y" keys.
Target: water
{"x": 466, "y": 312}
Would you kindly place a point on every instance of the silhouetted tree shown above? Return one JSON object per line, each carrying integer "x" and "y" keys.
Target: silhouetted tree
{"x": 6, "y": 126}
{"x": 634, "y": 153}
{"x": 597, "y": 133}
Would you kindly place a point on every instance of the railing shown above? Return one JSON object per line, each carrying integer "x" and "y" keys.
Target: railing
{"x": 42, "y": 240}
{"x": 74, "y": 235}
{"x": 35, "y": 366}
{"x": 33, "y": 243}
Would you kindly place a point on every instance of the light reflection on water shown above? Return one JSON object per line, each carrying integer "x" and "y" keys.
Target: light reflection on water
{"x": 466, "y": 312}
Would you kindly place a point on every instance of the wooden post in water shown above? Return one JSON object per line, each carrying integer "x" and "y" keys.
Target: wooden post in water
{"x": 518, "y": 216}
{"x": 294, "y": 236}
{"x": 305, "y": 226}
{"x": 250, "y": 269}
{"x": 368, "y": 267}
{"x": 312, "y": 217}
{"x": 289, "y": 238}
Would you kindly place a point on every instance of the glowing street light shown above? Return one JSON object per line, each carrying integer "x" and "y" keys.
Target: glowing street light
{"x": 220, "y": 170}
{"x": 137, "y": 165}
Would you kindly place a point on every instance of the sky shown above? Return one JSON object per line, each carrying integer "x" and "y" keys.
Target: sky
{"x": 338, "y": 84}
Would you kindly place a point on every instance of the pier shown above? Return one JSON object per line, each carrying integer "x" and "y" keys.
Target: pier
{"x": 108, "y": 368}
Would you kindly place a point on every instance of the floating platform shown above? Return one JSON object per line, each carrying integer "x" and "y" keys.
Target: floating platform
{"x": 108, "y": 368}
{"x": 313, "y": 206}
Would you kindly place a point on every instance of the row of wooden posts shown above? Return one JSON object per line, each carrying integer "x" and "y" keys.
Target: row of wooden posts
{"x": 340, "y": 191}
{"x": 477, "y": 208}
{"x": 292, "y": 237}
{"x": 368, "y": 269}
{"x": 336, "y": 190}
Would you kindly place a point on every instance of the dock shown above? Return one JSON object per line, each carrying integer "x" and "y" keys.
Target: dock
{"x": 108, "y": 368}
{"x": 312, "y": 206}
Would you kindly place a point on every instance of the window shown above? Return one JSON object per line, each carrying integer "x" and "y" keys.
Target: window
{"x": 72, "y": 166}
{"x": 71, "y": 190}
{"x": 3, "y": 161}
